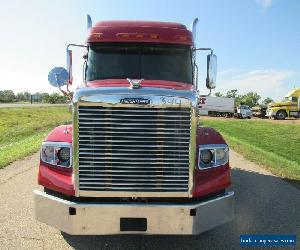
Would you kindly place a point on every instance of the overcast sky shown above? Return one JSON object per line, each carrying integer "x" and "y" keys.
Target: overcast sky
{"x": 257, "y": 41}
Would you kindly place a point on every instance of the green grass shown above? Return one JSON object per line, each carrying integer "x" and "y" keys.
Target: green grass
{"x": 23, "y": 129}
{"x": 275, "y": 146}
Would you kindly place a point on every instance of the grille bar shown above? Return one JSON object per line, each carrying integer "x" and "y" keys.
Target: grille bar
{"x": 133, "y": 149}
{"x": 129, "y": 159}
{"x": 132, "y": 153}
{"x": 158, "y": 130}
{"x": 130, "y": 146}
{"x": 150, "y": 150}
{"x": 138, "y": 184}
{"x": 99, "y": 138}
{"x": 131, "y": 141}
{"x": 119, "y": 119}
{"x": 133, "y": 163}
{"x": 135, "y": 189}
{"x": 133, "y": 170}
{"x": 88, "y": 168}
{"x": 134, "y": 110}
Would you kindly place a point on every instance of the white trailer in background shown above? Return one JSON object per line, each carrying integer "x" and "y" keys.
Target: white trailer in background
{"x": 216, "y": 106}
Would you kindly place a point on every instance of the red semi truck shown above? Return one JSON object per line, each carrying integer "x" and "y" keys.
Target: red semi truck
{"x": 134, "y": 159}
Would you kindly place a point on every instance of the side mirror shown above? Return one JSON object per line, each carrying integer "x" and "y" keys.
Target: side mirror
{"x": 69, "y": 66}
{"x": 211, "y": 78}
{"x": 58, "y": 77}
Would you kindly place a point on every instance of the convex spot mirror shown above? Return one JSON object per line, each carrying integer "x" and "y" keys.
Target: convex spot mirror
{"x": 58, "y": 77}
{"x": 211, "y": 78}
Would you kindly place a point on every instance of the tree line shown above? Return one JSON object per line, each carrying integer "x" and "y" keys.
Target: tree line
{"x": 8, "y": 96}
{"x": 251, "y": 98}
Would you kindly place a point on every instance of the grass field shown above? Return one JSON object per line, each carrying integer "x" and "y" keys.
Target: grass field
{"x": 23, "y": 129}
{"x": 274, "y": 145}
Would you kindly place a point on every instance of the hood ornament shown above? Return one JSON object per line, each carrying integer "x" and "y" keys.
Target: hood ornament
{"x": 135, "y": 83}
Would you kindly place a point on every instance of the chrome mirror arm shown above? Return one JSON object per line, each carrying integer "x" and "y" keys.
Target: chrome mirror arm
{"x": 211, "y": 51}
{"x": 76, "y": 45}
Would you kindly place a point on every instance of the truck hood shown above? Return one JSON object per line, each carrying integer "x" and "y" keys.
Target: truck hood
{"x": 144, "y": 83}
{"x": 157, "y": 92}
{"x": 282, "y": 104}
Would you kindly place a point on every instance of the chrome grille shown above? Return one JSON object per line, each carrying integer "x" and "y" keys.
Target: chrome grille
{"x": 133, "y": 149}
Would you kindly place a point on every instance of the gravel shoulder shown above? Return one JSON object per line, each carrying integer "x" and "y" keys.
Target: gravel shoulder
{"x": 265, "y": 204}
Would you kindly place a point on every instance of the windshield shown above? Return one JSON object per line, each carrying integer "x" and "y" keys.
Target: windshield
{"x": 245, "y": 107}
{"x": 291, "y": 99}
{"x": 140, "y": 61}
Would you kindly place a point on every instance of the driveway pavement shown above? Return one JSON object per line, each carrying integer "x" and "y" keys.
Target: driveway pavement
{"x": 265, "y": 204}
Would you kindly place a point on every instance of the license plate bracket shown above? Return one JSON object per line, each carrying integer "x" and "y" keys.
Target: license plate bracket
{"x": 133, "y": 224}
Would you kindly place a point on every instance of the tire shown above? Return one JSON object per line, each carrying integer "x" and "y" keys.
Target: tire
{"x": 281, "y": 115}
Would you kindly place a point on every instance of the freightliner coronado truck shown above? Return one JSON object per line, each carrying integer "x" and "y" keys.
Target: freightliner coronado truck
{"x": 134, "y": 159}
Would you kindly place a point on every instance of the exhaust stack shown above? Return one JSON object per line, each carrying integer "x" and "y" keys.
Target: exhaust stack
{"x": 89, "y": 22}
{"x": 193, "y": 29}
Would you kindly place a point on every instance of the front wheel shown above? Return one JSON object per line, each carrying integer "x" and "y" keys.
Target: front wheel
{"x": 281, "y": 115}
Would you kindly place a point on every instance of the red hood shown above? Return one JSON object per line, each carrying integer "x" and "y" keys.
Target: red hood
{"x": 144, "y": 83}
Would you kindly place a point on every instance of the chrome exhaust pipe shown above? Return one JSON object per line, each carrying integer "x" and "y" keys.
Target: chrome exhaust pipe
{"x": 193, "y": 30}
{"x": 89, "y": 22}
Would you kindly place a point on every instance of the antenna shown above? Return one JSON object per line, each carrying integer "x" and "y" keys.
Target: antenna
{"x": 89, "y": 22}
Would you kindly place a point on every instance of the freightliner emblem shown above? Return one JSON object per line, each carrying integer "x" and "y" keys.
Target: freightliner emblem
{"x": 141, "y": 101}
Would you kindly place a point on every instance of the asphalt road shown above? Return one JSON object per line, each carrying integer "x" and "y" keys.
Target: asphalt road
{"x": 264, "y": 205}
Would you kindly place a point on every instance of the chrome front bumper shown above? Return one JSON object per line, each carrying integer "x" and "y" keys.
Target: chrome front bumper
{"x": 161, "y": 218}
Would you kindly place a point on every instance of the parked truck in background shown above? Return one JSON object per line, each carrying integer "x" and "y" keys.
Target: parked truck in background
{"x": 223, "y": 107}
{"x": 242, "y": 112}
{"x": 259, "y": 111}
{"x": 288, "y": 108}
{"x": 216, "y": 106}
{"x": 134, "y": 159}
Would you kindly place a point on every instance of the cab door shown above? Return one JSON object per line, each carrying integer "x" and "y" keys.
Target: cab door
{"x": 295, "y": 107}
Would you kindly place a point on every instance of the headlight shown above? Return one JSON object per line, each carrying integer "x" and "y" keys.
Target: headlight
{"x": 64, "y": 154}
{"x": 213, "y": 155}
{"x": 57, "y": 154}
{"x": 206, "y": 156}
